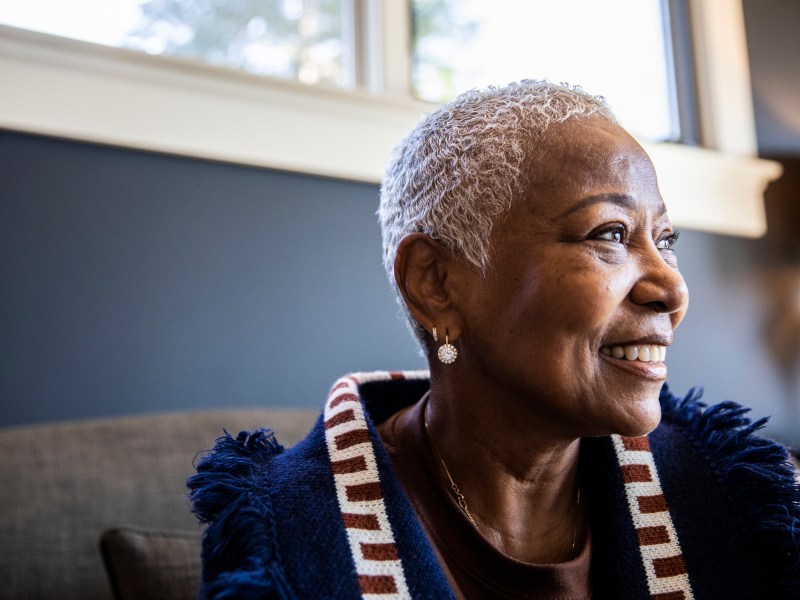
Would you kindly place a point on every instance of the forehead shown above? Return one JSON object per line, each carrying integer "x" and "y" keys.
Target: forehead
{"x": 588, "y": 157}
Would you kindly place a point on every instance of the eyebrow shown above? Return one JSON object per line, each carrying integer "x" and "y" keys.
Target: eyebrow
{"x": 623, "y": 200}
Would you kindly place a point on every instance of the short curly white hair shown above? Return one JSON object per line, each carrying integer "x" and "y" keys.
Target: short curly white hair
{"x": 463, "y": 165}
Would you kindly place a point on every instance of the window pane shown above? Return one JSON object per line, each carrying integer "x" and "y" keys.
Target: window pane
{"x": 299, "y": 39}
{"x": 616, "y": 48}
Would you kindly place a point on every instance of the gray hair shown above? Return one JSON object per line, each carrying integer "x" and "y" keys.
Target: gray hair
{"x": 463, "y": 165}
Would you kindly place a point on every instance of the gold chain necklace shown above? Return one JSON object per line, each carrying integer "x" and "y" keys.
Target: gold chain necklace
{"x": 462, "y": 502}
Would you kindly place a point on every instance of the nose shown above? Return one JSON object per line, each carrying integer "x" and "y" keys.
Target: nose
{"x": 660, "y": 287}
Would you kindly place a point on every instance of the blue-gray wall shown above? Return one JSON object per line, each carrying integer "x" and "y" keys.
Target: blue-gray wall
{"x": 135, "y": 282}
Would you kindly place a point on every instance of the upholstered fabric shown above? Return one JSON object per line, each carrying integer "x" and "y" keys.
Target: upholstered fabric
{"x": 64, "y": 484}
{"x": 151, "y": 565}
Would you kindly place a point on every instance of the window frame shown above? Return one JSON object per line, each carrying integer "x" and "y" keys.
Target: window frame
{"x": 67, "y": 88}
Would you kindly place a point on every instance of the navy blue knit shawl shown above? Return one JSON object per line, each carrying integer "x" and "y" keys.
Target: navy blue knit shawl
{"x": 275, "y": 529}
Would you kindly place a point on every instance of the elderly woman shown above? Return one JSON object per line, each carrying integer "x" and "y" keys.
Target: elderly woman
{"x": 543, "y": 457}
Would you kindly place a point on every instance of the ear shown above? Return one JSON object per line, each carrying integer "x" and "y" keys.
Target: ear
{"x": 423, "y": 269}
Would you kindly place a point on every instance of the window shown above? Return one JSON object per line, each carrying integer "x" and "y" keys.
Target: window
{"x": 617, "y": 47}
{"x": 457, "y": 44}
{"x": 58, "y": 86}
{"x": 295, "y": 39}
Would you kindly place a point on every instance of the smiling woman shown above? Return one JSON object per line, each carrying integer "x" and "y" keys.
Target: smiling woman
{"x": 542, "y": 455}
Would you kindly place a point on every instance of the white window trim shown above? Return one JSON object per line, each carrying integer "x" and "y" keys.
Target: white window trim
{"x": 66, "y": 88}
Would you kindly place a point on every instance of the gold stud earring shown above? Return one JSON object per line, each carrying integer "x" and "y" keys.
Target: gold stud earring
{"x": 447, "y": 352}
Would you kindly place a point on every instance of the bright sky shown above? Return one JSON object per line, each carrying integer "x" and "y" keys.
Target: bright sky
{"x": 99, "y": 21}
{"x": 614, "y": 48}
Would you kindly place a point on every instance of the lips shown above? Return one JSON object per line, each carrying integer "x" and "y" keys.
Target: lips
{"x": 647, "y": 353}
{"x": 643, "y": 357}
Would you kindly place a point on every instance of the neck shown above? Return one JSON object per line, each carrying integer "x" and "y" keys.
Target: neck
{"x": 520, "y": 488}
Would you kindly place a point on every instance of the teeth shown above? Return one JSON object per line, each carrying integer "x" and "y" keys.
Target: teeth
{"x": 641, "y": 352}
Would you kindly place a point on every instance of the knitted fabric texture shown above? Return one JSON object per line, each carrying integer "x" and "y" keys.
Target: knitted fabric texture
{"x": 701, "y": 508}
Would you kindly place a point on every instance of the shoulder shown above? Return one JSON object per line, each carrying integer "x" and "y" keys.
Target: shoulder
{"x": 229, "y": 470}
{"x": 267, "y": 508}
{"x": 714, "y": 455}
{"x": 227, "y": 495}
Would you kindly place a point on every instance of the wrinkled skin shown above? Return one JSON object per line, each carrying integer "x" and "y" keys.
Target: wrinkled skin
{"x": 570, "y": 275}
{"x": 581, "y": 262}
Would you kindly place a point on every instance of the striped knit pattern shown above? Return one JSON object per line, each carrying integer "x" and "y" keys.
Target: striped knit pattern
{"x": 358, "y": 488}
{"x": 661, "y": 553}
{"x": 372, "y": 544}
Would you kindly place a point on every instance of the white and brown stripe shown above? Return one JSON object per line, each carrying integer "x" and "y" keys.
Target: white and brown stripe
{"x": 372, "y": 544}
{"x": 658, "y": 542}
{"x": 358, "y": 488}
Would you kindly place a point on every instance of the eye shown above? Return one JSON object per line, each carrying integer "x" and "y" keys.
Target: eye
{"x": 668, "y": 241}
{"x": 612, "y": 233}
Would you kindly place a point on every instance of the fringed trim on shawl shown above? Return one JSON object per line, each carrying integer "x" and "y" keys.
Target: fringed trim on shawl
{"x": 240, "y": 555}
{"x": 754, "y": 472}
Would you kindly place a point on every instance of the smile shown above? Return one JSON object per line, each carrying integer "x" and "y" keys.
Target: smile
{"x": 649, "y": 353}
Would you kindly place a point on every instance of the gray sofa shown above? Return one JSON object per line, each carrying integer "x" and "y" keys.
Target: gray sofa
{"x": 65, "y": 486}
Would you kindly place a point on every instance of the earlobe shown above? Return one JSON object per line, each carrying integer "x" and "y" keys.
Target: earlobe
{"x": 421, "y": 270}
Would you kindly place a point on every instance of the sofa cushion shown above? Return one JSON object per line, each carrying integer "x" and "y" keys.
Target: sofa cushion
{"x": 154, "y": 565}
{"x": 64, "y": 484}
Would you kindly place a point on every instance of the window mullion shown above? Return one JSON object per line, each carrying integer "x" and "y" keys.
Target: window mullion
{"x": 364, "y": 38}
{"x": 724, "y": 93}
{"x": 395, "y": 47}
{"x": 685, "y": 81}
{"x": 351, "y": 51}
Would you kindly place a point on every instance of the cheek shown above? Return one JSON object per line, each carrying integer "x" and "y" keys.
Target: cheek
{"x": 586, "y": 301}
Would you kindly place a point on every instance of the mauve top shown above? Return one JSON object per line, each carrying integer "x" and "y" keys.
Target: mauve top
{"x": 473, "y": 566}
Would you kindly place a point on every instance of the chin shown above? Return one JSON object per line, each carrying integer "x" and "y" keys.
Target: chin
{"x": 640, "y": 418}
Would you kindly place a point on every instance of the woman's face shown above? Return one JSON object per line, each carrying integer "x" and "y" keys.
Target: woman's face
{"x": 582, "y": 272}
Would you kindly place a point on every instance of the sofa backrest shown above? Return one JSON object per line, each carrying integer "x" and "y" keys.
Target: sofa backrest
{"x": 62, "y": 485}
